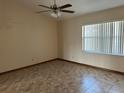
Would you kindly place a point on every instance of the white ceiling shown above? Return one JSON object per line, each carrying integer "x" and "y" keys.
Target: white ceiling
{"x": 79, "y": 6}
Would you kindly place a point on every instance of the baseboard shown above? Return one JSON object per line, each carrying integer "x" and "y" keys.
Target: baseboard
{"x": 28, "y": 66}
{"x": 109, "y": 70}
{"x": 117, "y": 72}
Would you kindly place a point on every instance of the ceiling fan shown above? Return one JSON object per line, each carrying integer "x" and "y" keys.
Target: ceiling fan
{"x": 56, "y": 10}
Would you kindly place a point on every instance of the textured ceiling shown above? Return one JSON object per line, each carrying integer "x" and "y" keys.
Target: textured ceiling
{"x": 79, "y": 6}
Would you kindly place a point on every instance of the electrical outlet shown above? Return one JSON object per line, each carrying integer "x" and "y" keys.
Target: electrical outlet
{"x": 32, "y": 59}
{"x": 37, "y": 59}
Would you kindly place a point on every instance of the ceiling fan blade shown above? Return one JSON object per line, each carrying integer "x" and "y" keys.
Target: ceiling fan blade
{"x": 65, "y": 6}
{"x": 43, "y": 11}
{"x": 67, "y": 11}
{"x": 45, "y": 6}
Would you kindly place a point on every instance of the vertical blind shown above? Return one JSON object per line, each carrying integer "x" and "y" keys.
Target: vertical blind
{"x": 106, "y": 38}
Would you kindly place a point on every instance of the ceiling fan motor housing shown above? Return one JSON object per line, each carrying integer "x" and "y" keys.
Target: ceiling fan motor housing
{"x": 54, "y": 7}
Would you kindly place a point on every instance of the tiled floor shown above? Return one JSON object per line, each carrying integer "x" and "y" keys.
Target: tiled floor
{"x": 61, "y": 77}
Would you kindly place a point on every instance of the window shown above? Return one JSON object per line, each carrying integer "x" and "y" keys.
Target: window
{"x": 105, "y": 38}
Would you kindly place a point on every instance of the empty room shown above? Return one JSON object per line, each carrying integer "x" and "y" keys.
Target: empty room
{"x": 61, "y": 46}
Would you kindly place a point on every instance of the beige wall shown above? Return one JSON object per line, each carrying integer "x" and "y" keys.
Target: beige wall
{"x": 71, "y": 46}
{"x": 24, "y": 36}
{"x": 27, "y": 38}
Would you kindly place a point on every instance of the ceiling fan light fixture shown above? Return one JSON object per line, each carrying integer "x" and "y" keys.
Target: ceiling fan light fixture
{"x": 56, "y": 14}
